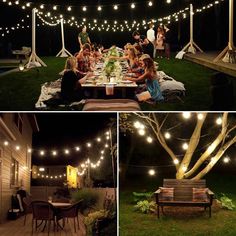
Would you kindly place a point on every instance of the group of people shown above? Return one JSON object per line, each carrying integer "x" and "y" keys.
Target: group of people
{"x": 138, "y": 55}
{"x": 155, "y": 44}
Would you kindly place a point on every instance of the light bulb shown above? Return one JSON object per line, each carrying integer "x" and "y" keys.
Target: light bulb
{"x": 115, "y": 7}
{"x": 84, "y": 8}
{"x": 176, "y": 161}
{"x": 167, "y": 135}
{"x": 200, "y": 116}
{"x": 186, "y": 115}
{"x": 226, "y": 160}
{"x": 149, "y": 139}
{"x": 132, "y": 5}
{"x": 185, "y": 146}
{"x": 151, "y": 172}
{"x": 6, "y": 143}
{"x": 219, "y": 121}
{"x": 150, "y": 3}
{"x": 141, "y": 132}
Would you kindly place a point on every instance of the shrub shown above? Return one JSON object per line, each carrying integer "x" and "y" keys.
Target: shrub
{"x": 142, "y": 196}
{"x": 226, "y": 202}
{"x": 90, "y": 198}
{"x": 145, "y": 206}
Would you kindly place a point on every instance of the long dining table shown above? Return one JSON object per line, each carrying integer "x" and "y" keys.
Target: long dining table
{"x": 112, "y": 84}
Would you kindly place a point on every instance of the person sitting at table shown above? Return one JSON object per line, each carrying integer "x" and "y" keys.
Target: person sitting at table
{"x": 131, "y": 57}
{"x": 71, "y": 89}
{"x": 151, "y": 91}
{"x": 83, "y": 59}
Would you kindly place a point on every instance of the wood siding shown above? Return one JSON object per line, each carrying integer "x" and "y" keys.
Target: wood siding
{"x": 24, "y": 140}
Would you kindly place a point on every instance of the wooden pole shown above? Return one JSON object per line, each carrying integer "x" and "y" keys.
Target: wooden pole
{"x": 191, "y": 47}
{"x": 34, "y": 60}
{"x": 228, "y": 55}
{"x": 63, "y": 52}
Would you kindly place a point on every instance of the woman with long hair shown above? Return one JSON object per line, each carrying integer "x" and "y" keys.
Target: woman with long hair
{"x": 152, "y": 87}
{"x": 71, "y": 89}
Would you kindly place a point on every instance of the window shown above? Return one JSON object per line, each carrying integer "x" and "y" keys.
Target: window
{"x": 14, "y": 172}
{"x": 18, "y": 120}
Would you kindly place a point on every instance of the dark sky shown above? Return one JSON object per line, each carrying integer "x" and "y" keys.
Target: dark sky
{"x": 59, "y": 131}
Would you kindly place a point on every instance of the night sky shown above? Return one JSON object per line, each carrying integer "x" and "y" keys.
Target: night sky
{"x": 211, "y": 27}
{"x": 59, "y": 131}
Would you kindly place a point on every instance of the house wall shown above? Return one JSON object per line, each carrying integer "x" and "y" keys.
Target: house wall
{"x": 24, "y": 140}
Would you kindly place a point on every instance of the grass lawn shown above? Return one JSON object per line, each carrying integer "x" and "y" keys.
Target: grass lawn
{"x": 20, "y": 91}
{"x": 223, "y": 222}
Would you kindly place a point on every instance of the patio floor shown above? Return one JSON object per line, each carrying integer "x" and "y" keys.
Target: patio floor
{"x": 16, "y": 228}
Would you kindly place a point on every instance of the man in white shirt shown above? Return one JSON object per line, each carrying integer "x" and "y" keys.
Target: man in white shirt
{"x": 151, "y": 37}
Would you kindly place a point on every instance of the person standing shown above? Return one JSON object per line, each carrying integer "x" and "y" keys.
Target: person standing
{"x": 167, "y": 41}
{"x": 151, "y": 37}
{"x": 144, "y": 43}
{"x": 160, "y": 42}
{"x": 83, "y": 37}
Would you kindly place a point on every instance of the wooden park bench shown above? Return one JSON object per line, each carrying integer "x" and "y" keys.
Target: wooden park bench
{"x": 187, "y": 193}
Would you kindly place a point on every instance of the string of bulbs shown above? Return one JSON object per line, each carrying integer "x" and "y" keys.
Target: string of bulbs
{"x": 167, "y": 135}
{"x": 53, "y": 20}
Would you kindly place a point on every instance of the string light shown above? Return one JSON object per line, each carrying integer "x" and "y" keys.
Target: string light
{"x": 149, "y": 140}
{"x": 42, "y": 153}
{"x": 176, "y": 161}
{"x": 185, "y": 146}
{"x": 67, "y": 151}
{"x": 151, "y": 172}
{"x": 186, "y": 115}
{"x": 17, "y": 148}
{"x": 219, "y": 121}
{"x": 54, "y": 153}
{"x": 184, "y": 168}
{"x": 6, "y": 143}
{"x": 150, "y": 3}
{"x": 99, "y": 8}
{"x": 132, "y": 6}
{"x": 115, "y": 7}
{"x": 226, "y": 160}
{"x": 141, "y": 132}
{"x": 29, "y": 150}
{"x": 84, "y": 8}
{"x": 89, "y": 145}
{"x": 77, "y": 149}
{"x": 167, "y": 135}
{"x": 200, "y": 116}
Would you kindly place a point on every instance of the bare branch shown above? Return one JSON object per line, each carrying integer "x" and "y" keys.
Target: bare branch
{"x": 215, "y": 159}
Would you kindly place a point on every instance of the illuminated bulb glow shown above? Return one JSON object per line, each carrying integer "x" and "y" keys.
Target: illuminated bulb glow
{"x": 67, "y": 151}
{"x": 167, "y": 135}
{"x": 17, "y": 148}
{"x": 29, "y": 150}
{"x": 185, "y": 146}
{"x": 176, "y": 161}
{"x": 106, "y": 145}
{"x": 89, "y": 145}
{"x": 200, "y": 116}
{"x": 149, "y": 140}
{"x": 99, "y": 8}
{"x": 6, "y": 143}
{"x": 41, "y": 169}
{"x": 184, "y": 168}
{"x": 186, "y": 115}
{"x": 137, "y": 125}
{"x": 115, "y": 7}
{"x": 226, "y": 160}
{"x": 132, "y": 5}
{"x": 141, "y": 132}
{"x": 84, "y": 8}
{"x": 219, "y": 121}
{"x": 54, "y": 153}
{"x": 77, "y": 148}
{"x": 151, "y": 172}
{"x": 150, "y": 3}
{"x": 42, "y": 153}
{"x": 99, "y": 139}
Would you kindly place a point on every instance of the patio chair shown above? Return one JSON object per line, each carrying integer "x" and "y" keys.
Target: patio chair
{"x": 70, "y": 212}
{"x": 43, "y": 211}
{"x": 27, "y": 206}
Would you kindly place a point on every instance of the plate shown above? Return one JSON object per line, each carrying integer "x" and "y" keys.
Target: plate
{"x": 127, "y": 82}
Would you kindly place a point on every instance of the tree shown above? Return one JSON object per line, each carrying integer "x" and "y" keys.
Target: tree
{"x": 189, "y": 166}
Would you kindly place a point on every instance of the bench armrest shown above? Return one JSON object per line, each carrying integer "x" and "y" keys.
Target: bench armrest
{"x": 210, "y": 193}
{"x": 158, "y": 191}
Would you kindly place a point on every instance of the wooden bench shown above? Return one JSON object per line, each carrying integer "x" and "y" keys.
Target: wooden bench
{"x": 183, "y": 194}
